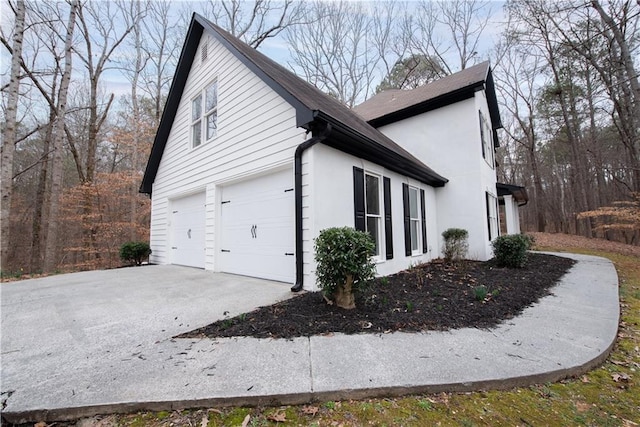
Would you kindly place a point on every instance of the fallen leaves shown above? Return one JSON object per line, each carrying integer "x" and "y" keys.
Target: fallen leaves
{"x": 621, "y": 377}
{"x": 310, "y": 410}
{"x": 246, "y": 420}
{"x": 278, "y": 417}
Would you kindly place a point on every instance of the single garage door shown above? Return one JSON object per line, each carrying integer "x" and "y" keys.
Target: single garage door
{"x": 257, "y": 228}
{"x": 188, "y": 217}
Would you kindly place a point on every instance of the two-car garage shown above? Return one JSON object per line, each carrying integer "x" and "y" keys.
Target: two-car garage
{"x": 255, "y": 228}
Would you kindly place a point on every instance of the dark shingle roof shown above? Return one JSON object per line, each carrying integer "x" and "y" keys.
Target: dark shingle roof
{"x": 393, "y": 105}
{"x": 310, "y": 103}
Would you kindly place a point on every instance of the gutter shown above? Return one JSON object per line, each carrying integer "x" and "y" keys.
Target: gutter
{"x": 322, "y": 135}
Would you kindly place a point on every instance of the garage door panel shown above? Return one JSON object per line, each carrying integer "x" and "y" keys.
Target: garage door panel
{"x": 188, "y": 218}
{"x": 257, "y": 233}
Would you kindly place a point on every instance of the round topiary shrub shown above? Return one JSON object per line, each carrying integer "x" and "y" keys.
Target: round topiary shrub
{"x": 511, "y": 250}
{"x": 455, "y": 244}
{"x": 134, "y": 253}
{"x": 344, "y": 262}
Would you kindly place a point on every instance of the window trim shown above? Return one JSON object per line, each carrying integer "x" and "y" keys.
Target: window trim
{"x": 492, "y": 220}
{"x": 196, "y": 123}
{"x": 379, "y": 216}
{"x": 486, "y": 140}
{"x": 422, "y": 221}
{"x": 201, "y": 121}
{"x": 417, "y": 220}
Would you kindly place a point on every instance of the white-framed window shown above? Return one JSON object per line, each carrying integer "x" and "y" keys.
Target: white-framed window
{"x": 204, "y": 115}
{"x": 486, "y": 137}
{"x": 492, "y": 216}
{"x": 373, "y": 211}
{"x": 415, "y": 218}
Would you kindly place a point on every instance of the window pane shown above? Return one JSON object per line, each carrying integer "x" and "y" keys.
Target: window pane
{"x": 196, "y": 132}
{"x": 414, "y": 235}
{"x": 373, "y": 195}
{"x": 372, "y": 228}
{"x": 196, "y": 108}
{"x": 413, "y": 203}
{"x": 212, "y": 125}
{"x": 211, "y": 97}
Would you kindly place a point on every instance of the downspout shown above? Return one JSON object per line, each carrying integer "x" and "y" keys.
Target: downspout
{"x": 321, "y": 136}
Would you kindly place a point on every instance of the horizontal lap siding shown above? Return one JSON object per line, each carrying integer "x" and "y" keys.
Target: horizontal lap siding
{"x": 256, "y": 131}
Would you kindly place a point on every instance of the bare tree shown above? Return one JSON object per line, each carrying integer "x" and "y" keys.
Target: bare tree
{"x": 334, "y": 52}
{"x": 50, "y": 258}
{"x": 9, "y": 142}
{"x": 161, "y": 47}
{"x": 448, "y": 31}
{"x": 102, "y": 36}
{"x": 517, "y": 79}
{"x": 257, "y": 20}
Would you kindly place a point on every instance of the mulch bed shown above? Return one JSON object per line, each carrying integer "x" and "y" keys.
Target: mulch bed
{"x": 432, "y": 296}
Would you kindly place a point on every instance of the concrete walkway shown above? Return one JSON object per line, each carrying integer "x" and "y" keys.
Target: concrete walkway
{"x": 80, "y": 370}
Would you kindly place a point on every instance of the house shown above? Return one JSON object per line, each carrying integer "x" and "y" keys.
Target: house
{"x": 250, "y": 163}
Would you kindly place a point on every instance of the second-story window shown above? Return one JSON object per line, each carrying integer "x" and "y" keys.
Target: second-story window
{"x": 486, "y": 140}
{"x": 204, "y": 115}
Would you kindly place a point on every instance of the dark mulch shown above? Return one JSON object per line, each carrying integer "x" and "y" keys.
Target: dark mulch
{"x": 433, "y": 296}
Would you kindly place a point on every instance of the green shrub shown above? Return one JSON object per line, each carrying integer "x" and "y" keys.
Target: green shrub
{"x": 344, "y": 263}
{"x": 455, "y": 244}
{"x": 134, "y": 252}
{"x": 480, "y": 292}
{"x": 511, "y": 250}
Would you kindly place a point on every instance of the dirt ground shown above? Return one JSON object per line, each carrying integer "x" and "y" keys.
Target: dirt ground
{"x": 569, "y": 241}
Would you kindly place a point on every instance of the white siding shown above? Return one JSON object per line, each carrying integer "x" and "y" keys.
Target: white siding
{"x": 256, "y": 132}
{"x": 448, "y": 140}
{"x": 332, "y": 198}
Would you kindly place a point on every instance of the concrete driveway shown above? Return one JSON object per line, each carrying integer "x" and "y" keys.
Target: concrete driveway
{"x": 54, "y": 327}
{"x": 99, "y": 343}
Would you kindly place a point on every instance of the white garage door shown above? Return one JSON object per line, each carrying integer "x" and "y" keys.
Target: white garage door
{"x": 188, "y": 217}
{"x": 257, "y": 228}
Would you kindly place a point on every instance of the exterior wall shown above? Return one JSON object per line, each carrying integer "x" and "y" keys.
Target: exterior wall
{"x": 448, "y": 140}
{"x": 256, "y": 133}
{"x": 328, "y": 186}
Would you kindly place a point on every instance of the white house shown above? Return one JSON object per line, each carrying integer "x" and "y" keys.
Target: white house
{"x": 250, "y": 163}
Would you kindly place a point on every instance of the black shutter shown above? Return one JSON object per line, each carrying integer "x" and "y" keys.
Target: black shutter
{"x": 424, "y": 223}
{"x": 484, "y": 155}
{"x": 407, "y": 219}
{"x": 358, "y": 198}
{"x": 388, "y": 232}
{"x": 486, "y": 198}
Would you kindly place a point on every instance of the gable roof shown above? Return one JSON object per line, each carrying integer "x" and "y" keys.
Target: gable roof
{"x": 394, "y": 105}
{"x": 350, "y": 134}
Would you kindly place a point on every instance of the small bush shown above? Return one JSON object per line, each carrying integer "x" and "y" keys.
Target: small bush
{"x": 343, "y": 255}
{"x": 480, "y": 292}
{"x": 455, "y": 244}
{"x": 134, "y": 252}
{"x": 511, "y": 250}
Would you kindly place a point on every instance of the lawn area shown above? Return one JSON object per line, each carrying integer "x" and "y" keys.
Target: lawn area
{"x": 607, "y": 396}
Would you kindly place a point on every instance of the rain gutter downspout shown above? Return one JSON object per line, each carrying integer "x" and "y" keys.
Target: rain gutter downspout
{"x": 322, "y": 135}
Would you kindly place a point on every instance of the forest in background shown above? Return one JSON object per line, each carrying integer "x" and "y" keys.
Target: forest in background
{"x": 74, "y": 146}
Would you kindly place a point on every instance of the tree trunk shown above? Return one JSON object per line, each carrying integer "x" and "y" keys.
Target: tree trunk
{"x": 38, "y": 238}
{"x": 57, "y": 171}
{"x": 343, "y": 296}
{"x": 9, "y": 144}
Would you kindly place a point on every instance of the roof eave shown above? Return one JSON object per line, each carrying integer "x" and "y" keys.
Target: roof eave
{"x": 369, "y": 149}
{"x": 171, "y": 105}
{"x": 431, "y": 104}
